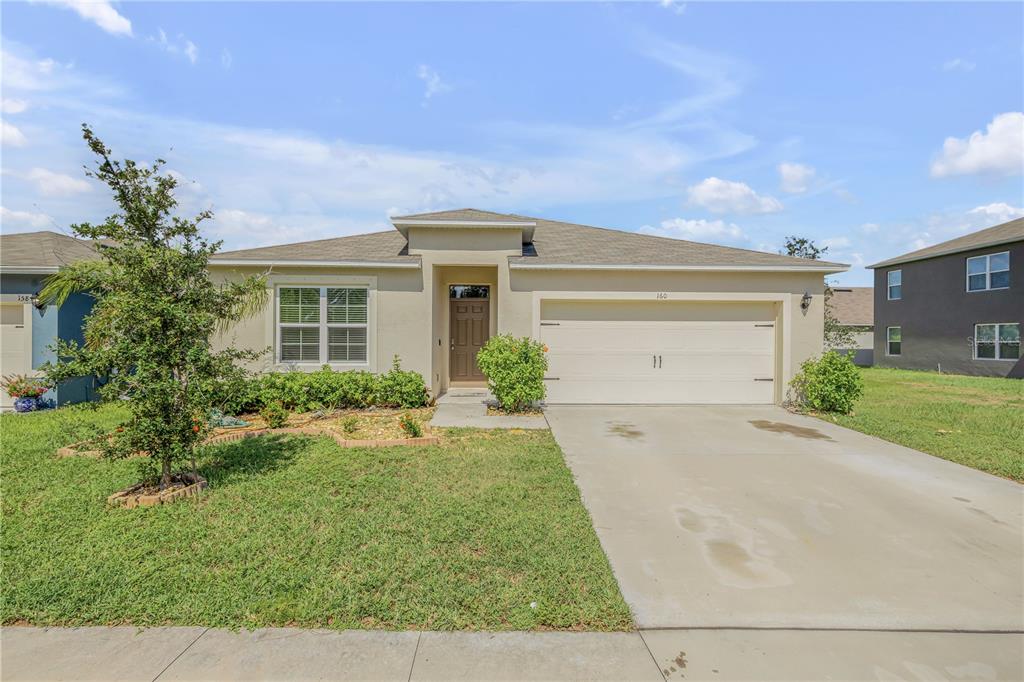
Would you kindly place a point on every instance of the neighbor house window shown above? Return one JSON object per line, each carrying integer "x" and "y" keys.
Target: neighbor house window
{"x": 997, "y": 341}
{"x": 894, "y": 279}
{"x": 988, "y": 272}
{"x": 322, "y": 324}
{"x": 893, "y": 340}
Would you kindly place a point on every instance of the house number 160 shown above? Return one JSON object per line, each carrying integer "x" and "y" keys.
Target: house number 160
{"x": 661, "y": 295}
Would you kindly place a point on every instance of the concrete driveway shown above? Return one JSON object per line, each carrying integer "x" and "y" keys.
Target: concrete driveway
{"x": 751, "y": 517}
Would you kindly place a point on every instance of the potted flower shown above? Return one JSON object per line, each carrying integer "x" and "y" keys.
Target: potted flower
{"x": 25, "y": 390}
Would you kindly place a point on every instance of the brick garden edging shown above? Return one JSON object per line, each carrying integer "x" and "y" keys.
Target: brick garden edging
{"x": 73, "y": 451}
{"x": 131, "y": 497}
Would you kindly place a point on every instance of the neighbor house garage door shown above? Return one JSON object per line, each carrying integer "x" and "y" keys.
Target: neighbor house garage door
{"x": 641, "y": 352}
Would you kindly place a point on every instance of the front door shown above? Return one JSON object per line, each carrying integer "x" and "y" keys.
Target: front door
{"x": 469, "y": 329}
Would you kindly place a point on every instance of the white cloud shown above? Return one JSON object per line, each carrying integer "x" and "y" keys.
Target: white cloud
{"x": 701, "y": 230}
{"x": 795, "y": 177}
{"x": 11, "y": 136}
{"x": 226, "y": 59}
{"x": 50, "y": 184}
{"x": 323, "y": 186}
{"x": 835, "y": 243}
{"x": 434, "y": 85}
{"x": 181, "y": 45}
{"x": 958, "y": 64}
{"x": 726, "y": 196}
{"x": 22, "y": 219}
{"x": 13, "y": 106}
{"x": 999, "y": 212}
{"x": 674, "y": 6}
{"x": 869, "y": 228}
{"x": 998, "y": 150}
{"x": 100, "y": 12}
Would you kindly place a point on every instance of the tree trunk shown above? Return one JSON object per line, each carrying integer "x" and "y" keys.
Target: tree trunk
{"x": 165, "y": 475}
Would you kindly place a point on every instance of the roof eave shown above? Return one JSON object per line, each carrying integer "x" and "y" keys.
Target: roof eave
{"x": 832, "y": 268}
{"x": 283, "y": 262}
{"x": 899, "y": 260}
{"x": 28, "y": 269}
{"x": 526, "y": 226}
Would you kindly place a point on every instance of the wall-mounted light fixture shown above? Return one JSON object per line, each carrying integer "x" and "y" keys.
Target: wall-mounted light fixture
{"x": 37, "y": 302}
{"x": 805, "y": 301}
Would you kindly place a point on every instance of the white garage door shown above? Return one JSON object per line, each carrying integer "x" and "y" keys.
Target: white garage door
{"x": 660, "y": 361}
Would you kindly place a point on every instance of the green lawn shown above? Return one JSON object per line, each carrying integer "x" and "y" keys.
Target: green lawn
{"x": 295, "y": 531}
{"x": 975, "y": 421}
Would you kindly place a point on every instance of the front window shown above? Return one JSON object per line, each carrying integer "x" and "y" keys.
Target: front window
{"x": 997, "y": 341}
{"x": 893, "y": 341}
{"x": 322, "y": 324}
{"x": 988, "y": 272}
{"x": 895, "y": 283}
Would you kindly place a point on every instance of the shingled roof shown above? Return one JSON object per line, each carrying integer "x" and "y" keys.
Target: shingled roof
{"x": 854, "y": 306}
{"x": 1004, "y": 233}
{"x": 554, "y": 244}
{"x": 44, "y": 251}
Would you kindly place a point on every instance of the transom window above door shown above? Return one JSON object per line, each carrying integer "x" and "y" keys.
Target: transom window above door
{"x": 988, "y": 272}
{"x": 322, "y": 325}
{"x": 469, "y": 291}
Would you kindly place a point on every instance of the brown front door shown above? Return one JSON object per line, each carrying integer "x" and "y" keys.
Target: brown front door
{"x": 469, "y": 330}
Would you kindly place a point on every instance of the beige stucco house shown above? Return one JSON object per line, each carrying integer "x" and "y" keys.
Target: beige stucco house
{"x": 627, "y": 318}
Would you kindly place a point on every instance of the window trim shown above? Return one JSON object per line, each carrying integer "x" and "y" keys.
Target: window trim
{"x": 988, "y": 273}
{"x": 324, "y": 341}
{"x": 889, "y": 286}
{"x": 887, "y": 342}
{"x": 974, "y": 344}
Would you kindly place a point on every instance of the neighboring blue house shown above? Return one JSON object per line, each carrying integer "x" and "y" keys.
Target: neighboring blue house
{"x": 27, "y": 330}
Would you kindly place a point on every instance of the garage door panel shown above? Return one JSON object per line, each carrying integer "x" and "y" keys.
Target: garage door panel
{"x": 659, "y": 361}
{"x": 600, "y": 363}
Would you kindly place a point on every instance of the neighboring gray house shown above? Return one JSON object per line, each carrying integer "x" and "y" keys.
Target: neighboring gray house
{"x": 27, "y": 329}
{"x": 955, "y": 307}
{"x": 853, "y": 308}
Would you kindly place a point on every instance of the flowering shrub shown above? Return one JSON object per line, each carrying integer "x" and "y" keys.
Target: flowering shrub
{"x": 22, "y": 386}
{"x": 515, "y": 370}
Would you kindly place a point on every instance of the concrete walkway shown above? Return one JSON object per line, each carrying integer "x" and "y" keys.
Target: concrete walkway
{"x": 189, "y": 653}
{"x": 467, "y": 407}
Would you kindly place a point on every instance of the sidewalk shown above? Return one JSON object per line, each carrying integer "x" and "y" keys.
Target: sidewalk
{"x": 467, "y": 407}
{"x": 120, "y": 654}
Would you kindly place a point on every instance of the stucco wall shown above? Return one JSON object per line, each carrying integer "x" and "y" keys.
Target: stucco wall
{"x": 937, "y": 314}
{"x": 49, "y": 324}
{"x": 411, "y": 306}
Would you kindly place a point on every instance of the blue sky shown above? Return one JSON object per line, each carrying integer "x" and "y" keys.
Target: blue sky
{"x": 873, "y": 128}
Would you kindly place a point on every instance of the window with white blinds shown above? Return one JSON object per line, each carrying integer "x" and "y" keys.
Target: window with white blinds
{"x": 323, "y": 324}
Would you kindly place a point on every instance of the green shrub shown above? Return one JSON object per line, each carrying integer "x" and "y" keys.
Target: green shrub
{"x": 350, "y": 424}
{"x": 274, "y": 414}
{"x": 514, "y": 369}
{"x": 411, "y": 426}
{"x": 324, "y": 389}
{"x": 400, "y": 388}
{"x": 831, "y": 383}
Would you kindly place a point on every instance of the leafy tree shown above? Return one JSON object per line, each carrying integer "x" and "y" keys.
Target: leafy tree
{"x": 155, "y": 314}
{"x": 837, "y": 336}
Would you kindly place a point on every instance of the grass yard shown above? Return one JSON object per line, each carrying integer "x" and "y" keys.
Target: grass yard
{"x": 975, "y": 421}
{"x": 486, "y": 531}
